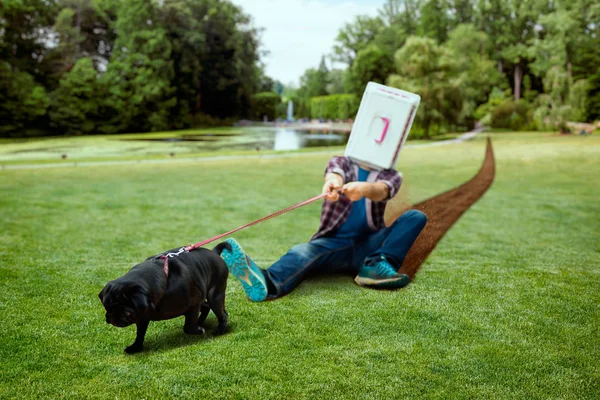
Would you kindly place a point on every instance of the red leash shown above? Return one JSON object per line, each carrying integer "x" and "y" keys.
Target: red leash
{"x": 202, "y": 243}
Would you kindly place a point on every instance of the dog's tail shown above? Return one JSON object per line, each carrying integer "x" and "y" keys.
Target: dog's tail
{"x": 224, "y": 245}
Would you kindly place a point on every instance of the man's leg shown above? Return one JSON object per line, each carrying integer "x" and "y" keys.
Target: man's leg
{"x": 400, "y": 238}
{"x": 323, "y": 255}
{"x": 378, "y": 258}
{"x": 284, "y": 275}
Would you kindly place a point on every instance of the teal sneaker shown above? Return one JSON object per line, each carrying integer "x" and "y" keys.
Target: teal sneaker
{"x": 381, "y": 275}
{"x": 246, "y": 271}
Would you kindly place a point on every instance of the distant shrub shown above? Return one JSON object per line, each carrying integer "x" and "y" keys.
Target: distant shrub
{"x": 337, "y": 106}
{"x": 201, "y": 120}
{"x": 265, "y": 104}
{"x": 512, "y": 115}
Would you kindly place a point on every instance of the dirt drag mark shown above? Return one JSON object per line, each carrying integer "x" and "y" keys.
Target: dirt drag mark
{"x": 445, "y": 209}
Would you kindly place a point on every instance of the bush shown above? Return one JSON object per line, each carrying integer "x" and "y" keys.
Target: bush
{"x": 23, "y": 102}
{"x": 201, "y": 120}
{"x": 76, "y": 102}
{"x": 512, "y": 115}
{"x": 337, "y": 106}
{"x": 266, "y": 103}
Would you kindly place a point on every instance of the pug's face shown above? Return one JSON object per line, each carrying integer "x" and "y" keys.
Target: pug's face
{"x": 124, "y": 303}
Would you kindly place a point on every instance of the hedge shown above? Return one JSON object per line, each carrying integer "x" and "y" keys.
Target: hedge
{"x": 337, "y": 106}
{"x": 265, "y": 103}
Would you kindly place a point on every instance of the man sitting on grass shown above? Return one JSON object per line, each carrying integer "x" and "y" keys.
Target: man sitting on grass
{"x": 352, "y": 237}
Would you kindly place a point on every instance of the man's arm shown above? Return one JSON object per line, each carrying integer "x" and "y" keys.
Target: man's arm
{"x": 374, "y": 191}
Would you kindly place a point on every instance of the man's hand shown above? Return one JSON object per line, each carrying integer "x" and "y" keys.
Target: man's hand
{"x": 333, "y": 183}
{"x": 356, "y": 190}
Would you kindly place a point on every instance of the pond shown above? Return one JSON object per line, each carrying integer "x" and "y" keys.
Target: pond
{"x": 259, "y": 138}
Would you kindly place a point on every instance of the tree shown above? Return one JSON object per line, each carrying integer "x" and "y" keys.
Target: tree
{"x": 522, "y": 18}
{"x": 462, "y": 12}
{"x": 70, "y": 39}
{"x": 434, "y": 21}
{"x": 230, "y": 59}
{"x": 562, "y": 101}
{"x": 404, "y": 13}
{"x": 492, "y": 17}
{"x": 265, "y": 105}
{"x": 76, "y": 104}
{"x": 336, "y": 79}
{"x": 371, "y": 64}
{"x": 354, "y": 37}
{"x": 22, "y": 100}
{"x": 81, "y": 29}
{"x": 477, "y": 75}
{"x": 138, "y": 78}
{"x": 277, "y": 87}
{"x": 426, "y": 68}
{"x": 314, "y": 81}
{"x": 400, "y": 20}
{"x": 25, "y": 26}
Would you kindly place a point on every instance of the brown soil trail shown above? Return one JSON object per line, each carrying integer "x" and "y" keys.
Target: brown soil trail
{"x": 445, "y": 209}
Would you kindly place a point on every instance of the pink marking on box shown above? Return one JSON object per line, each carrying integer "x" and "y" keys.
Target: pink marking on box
{"x": 385, "y": 129}
{"x": 394, "y": 93}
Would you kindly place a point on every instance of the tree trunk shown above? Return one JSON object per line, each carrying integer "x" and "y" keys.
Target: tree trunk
{"x": 518, "y": 81}
{"x": 569, "y": 64}
{"x": 426, "y": 126}
{"x": 198, "y": 103}
{"x": 500, "y": 68}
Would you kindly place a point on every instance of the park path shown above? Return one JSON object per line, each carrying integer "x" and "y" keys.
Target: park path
{"x": 459, "y": 139}
{"x": 445, "y": 209}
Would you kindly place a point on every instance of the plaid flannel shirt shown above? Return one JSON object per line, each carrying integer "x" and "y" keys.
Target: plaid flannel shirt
{"x": 334, "y": 214}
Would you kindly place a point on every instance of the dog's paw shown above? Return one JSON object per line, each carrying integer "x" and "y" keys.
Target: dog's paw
{"x": 220, "y": 331}
{"x": 197, "y": 330}
{"x": 133, "y": 349}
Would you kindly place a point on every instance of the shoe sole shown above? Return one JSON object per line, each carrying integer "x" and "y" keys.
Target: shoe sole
{"x": 253, "y": 282}
{"x": 391, "y": 283}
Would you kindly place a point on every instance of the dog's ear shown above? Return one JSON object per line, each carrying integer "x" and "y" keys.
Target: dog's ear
{"x": 140, "y": 301}
{"x": 103, "y": 293}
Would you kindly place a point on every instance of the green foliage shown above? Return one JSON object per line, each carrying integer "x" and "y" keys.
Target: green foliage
{"x": 22, "y": 100}
{"x": 502, "y": 112}
{"x": 23, "y": 26}
{"x": 70, "y": 39}
{"x": 265, "y": 104}
{"x": 593, "y": 100}
{"x": 76, "y": 104}
{"x": 314, "y": 81}
{"x": 512, "y": 115}
{"x": 140, "y": 72}
{"x": 371, "y": 65}
{"x": 428, "y": 69}
{"x": 336, "y": 81}
{"x": 338, "y": 106}
{"x": 354, "y": 37}
{"x": 563, "y": 100}
{"x": 434, "y": 20}
{"x": 160, "y": 63}
{"x": 476, "y": 72}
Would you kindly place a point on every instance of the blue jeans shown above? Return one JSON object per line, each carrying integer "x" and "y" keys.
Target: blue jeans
{"x": 344, "y": 255}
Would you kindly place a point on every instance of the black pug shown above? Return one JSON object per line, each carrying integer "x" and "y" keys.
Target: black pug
{"x": 191, "y": 284}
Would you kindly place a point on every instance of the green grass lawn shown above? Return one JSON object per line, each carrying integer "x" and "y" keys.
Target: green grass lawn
{"x": 507, "y": 306}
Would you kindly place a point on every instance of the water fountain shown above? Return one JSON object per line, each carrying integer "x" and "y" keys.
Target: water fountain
{"x": 290, "y": 111}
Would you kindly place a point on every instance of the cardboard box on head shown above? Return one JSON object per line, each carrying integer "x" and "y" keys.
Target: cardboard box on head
{"x": 381, "y": 127}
